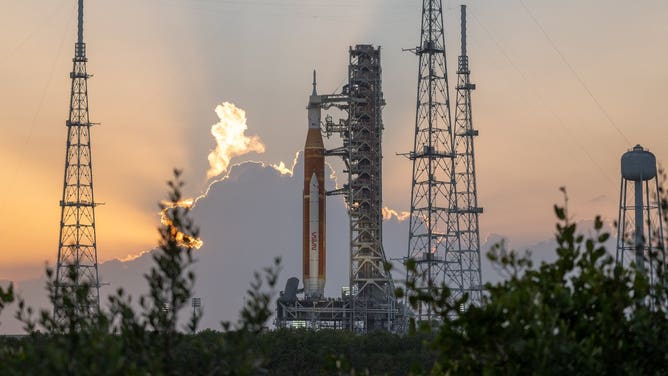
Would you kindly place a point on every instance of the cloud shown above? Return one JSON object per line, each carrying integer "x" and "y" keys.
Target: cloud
{"x": 248, "y": 215}
{"x": 231, "y": 140}
{"x": 389, "y": 214}
{"x": 246, "y": 219}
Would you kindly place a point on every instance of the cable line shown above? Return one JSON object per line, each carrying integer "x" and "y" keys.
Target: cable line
{"x": 577, "y": 76}
{"x": 540, "y": 98}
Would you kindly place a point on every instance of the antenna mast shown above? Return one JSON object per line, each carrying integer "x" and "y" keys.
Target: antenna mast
{"x": 77, "y": 249}
{"x": 432, "y": 238}
{"x": 465, "y": 176}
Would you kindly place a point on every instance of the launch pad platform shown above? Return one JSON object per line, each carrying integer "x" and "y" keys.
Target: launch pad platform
{"x": 356, "y": 315}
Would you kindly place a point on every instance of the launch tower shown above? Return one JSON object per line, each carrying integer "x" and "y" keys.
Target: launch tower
{"x": 370, "y": 283}
{"x": 368, "y": 303}
{"x": 76, "y": 268}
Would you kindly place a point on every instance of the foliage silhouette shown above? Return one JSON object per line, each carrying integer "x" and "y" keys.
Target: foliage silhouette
{"x": 581, "y": 314}
{"x": 125, "y": 341}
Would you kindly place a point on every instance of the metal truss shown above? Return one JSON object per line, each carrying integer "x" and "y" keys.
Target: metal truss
{"x": 371, "y": 284}
{"x": 77, "y": 267}
{"x": 467, "y": 210}
{"x": 433, "y": 240}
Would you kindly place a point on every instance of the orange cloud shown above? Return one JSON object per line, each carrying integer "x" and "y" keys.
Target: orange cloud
{"x": 388, "y": 214}
{"x": 183, "y": 239}
{"x": 230, "y": 137}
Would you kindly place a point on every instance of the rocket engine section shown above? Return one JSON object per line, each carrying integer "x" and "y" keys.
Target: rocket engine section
{"x": 314, "y": 253}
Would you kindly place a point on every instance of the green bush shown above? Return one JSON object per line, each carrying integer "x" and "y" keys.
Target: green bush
{"x": 123, "y": 341}
{"x": 580, "y": 314}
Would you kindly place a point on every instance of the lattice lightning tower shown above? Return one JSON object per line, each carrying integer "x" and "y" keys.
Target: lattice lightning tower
{"x": 466, "y": 189}
{"x": 77, "y": 249}
{"x": 432, "y": 227}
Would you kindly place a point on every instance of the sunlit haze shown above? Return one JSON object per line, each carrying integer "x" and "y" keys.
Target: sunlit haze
{"x": 563, "y": 89}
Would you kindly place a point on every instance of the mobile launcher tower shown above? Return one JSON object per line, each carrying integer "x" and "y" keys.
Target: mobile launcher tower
{"x": 368, "y": 303}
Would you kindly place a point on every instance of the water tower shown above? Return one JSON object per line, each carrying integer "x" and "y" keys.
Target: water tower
{"x": 639, "y": 228}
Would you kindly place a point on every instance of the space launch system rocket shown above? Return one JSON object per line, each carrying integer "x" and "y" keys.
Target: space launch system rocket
{"x": 314, "y": 254}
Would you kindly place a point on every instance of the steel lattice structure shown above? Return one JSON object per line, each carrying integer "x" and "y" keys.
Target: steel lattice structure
{"x": 466, "y": 188}
{"x": 77, "y": 267}
{"x": 371, "y": 284}
{"x": 432, "y": 228}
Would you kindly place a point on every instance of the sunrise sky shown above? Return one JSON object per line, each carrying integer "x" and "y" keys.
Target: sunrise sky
{"x": 564, "y": 88}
